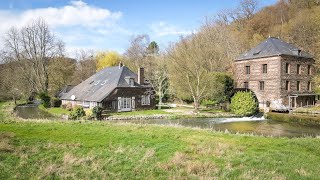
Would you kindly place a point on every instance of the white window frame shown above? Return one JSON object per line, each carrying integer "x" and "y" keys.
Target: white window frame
{"x": 145, "y": 100}
{"x": 125, "y": 104}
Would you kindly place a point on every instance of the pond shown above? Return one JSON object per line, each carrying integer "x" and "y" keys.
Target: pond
{"x": 246, "y": 125}
{"x": 31, "y": 111}
{"x": 257, "y": 126}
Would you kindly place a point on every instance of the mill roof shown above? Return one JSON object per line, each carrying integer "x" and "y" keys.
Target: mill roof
{"x": 273, "y": 47}
{"x": 100, "y": 85}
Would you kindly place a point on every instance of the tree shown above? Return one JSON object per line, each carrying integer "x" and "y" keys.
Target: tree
{"x": 107, "y": 59}
{"x": 136, "y": 54}
{"x": 31, "y": 48}
{"x": 244, "y": 104}
{"x": 153, "y": 48}
{"x": 85, "y": 67}
{"x": 159, "y": 79}
{"x": 61, "y": 72}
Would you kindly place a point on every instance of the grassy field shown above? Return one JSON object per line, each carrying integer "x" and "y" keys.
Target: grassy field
{"x": 102, "y": 150}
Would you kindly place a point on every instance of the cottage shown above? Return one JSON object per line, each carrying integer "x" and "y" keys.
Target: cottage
{"x": 277, "y": 72}
{"x": 113, "y": 88}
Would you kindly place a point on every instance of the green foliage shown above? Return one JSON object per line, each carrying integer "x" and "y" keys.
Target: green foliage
{"x": 153, "y": 48}
{"x": 97, "y": 112}
{"x": 107, "y": 59}
{"x": 77, "y": 112}
{"x": 45, "y": 99}
{"x": 206, "y": 102}
{"x": 55, "y": 102}
{"x": 244, "y": 104}
{"x": 303, "y": 119}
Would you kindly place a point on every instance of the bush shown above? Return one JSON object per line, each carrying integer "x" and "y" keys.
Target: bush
{"x": 45, "y": 99}
{"x": 55, "y": 102}
{"x": 77, "y": 112}
{"x": 69, "y": 106}
{"x": 63, "y": 106}
{"x": 97, "y": 112}
{"x": 244, "y": 104}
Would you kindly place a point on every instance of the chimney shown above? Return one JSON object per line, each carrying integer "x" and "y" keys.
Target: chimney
{"x": 141, "y": 76}
{"x": 120, "y": 64}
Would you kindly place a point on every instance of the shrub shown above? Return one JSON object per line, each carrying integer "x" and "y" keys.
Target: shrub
{"x": 63, "y": 106}
{"x": 45, "y": 99}
{"x": 244, "y": 104}
{"x": 55, "y": 102}
{"x": 69, "y": 106}
{"x": 97, "y": 112}
{"x": 208, "y": 102}
{"x": 77, "y": 112}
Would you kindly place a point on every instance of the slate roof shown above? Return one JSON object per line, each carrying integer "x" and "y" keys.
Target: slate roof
{"x": 273, "y": 47}
{"x": 100, "y": 85}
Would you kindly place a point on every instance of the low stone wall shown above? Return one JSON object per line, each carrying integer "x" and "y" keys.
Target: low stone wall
{"x": 137, "y": 117}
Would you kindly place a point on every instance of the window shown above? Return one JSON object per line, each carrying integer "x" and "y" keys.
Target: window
{"x": 247, "y": 69}
{"x": 287, "y": 68}
{"x": 261, "y": 85}
{"x": 287, "y": 85}
{"x": 309, "y": 70}
{"x": 309, "y": 86}
{"x": 145, "y": 100}
{"x": 96, "y": 83}
{"x": 298, "y": 69}
{"x": 126, "y": 103}
{"x": 246, "y": 85}
{"x": 131, "y": 82}
{"x": 264, "y": 68}
{"x": 103, "y": 82}
{"x": 298, "y": 85}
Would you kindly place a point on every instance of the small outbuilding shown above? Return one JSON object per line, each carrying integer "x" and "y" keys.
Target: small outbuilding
{"x": 114, "y": 88}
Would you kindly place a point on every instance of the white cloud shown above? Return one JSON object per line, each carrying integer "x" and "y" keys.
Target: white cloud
{"x": 78, "y": 24}
{"x": 76, "y": 13}
{"x": 164, "y": 29}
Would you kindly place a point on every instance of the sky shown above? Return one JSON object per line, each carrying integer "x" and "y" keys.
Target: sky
{"x": 110, "y": 24}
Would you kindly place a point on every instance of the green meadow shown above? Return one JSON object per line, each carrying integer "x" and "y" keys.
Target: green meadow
{"x": 42, "y": 149}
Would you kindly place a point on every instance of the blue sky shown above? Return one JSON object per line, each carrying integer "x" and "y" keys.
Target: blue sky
{"x": 109, "y": 24}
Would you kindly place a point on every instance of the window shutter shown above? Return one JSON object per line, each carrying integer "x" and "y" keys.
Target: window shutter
{"x": 119, "y": 104}
{"x": 133, "y": 104}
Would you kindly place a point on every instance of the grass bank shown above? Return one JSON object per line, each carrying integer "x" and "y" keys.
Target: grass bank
{"x": 97, "y": 150}
{"x": 298, "y": 118}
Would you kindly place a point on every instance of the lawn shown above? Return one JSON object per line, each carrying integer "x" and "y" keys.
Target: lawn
{"x": 55, "y": 110}
{"x": 102, "y": 150}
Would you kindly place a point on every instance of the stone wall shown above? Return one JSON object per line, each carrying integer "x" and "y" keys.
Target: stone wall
{"x": 271, "y": 78}
{"x": 276, "y": 77}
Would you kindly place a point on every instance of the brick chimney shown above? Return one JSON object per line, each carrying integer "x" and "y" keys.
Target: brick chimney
{"x": 141, "y": 76}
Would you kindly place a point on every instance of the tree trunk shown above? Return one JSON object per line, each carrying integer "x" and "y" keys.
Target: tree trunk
{"x": 196, "y": 105}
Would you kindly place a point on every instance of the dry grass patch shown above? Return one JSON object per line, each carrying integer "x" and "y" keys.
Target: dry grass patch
{"x": 181, "y": 165}
{"x": 5, "y": 138}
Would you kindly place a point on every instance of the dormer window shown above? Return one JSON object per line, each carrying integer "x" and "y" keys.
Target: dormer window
{"x": 96, "y": 83}
{"x": 130, "y": 81}
{"x": 103, "y": 82}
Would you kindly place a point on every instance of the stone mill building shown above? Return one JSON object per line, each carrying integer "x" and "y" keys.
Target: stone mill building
{"x": 277, "y": 72}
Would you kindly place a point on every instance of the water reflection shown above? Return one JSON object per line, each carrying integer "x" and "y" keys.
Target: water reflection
{"x": 240, "y": 125}
{"x": 31, "y": 112}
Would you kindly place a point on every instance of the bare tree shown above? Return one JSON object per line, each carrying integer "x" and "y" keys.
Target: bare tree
{"x": 159, "y": 77}
{"x": 86, "y": 65}
{"x": 31, "y": 48}
{"x": 137, "y": 51}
